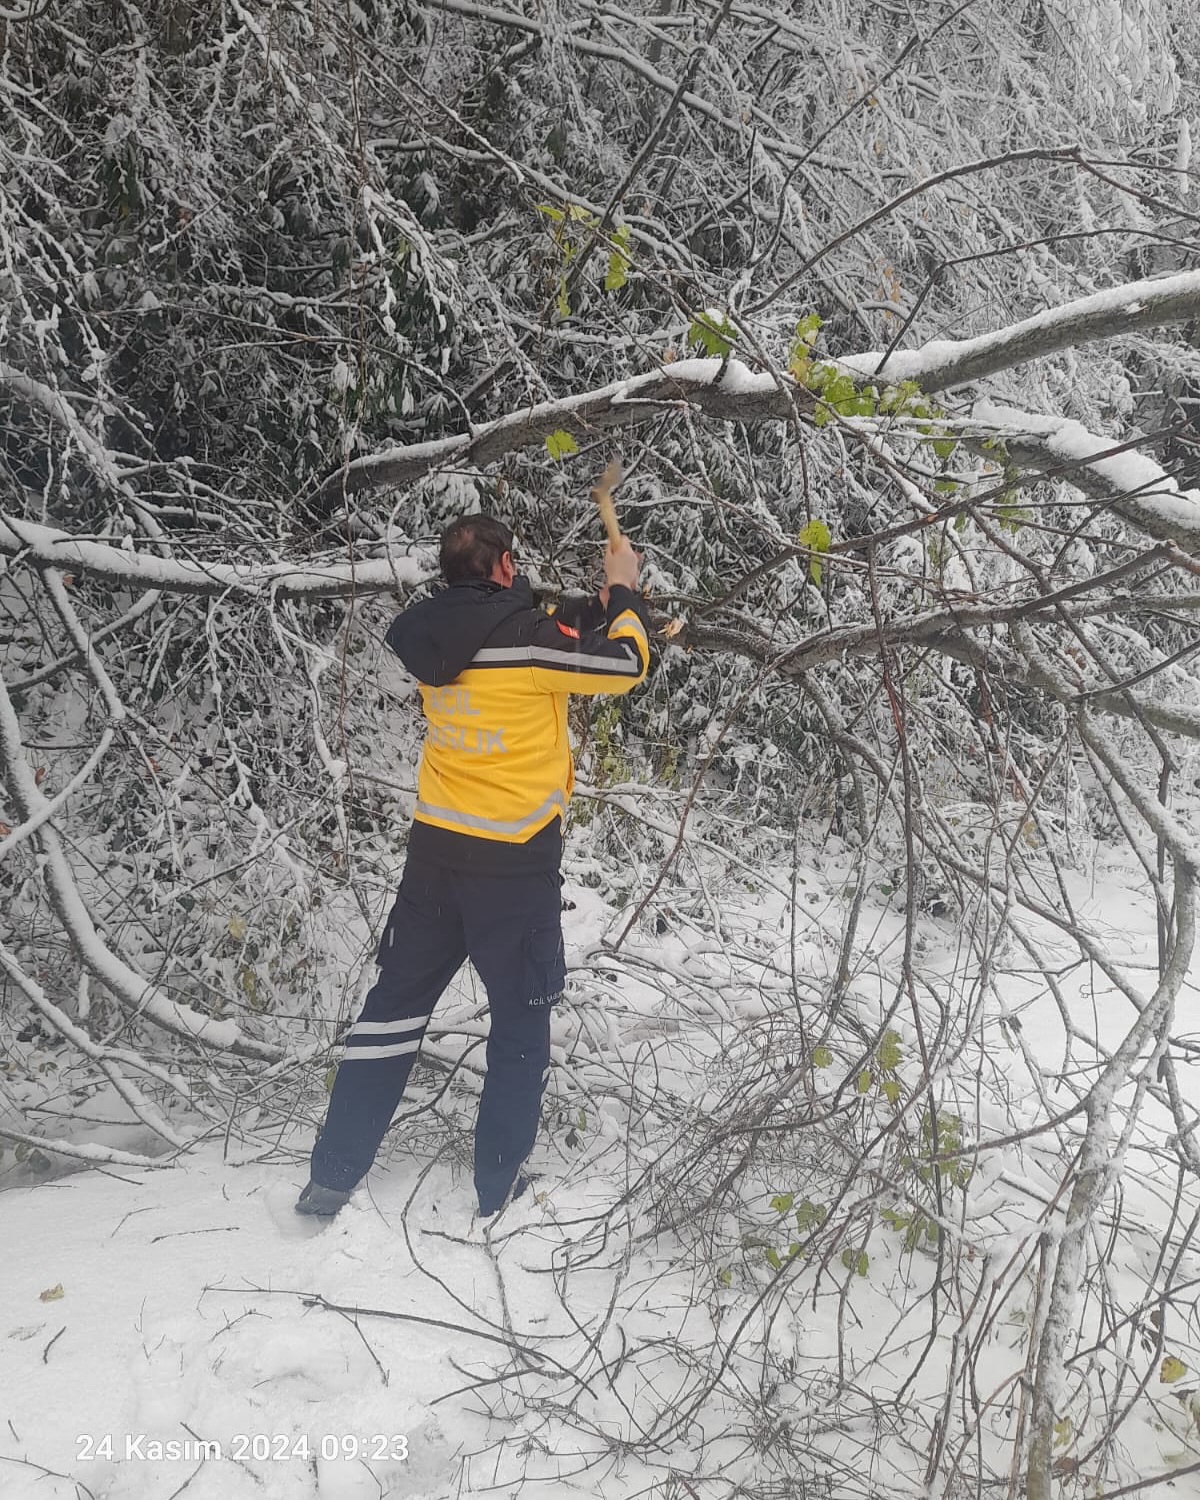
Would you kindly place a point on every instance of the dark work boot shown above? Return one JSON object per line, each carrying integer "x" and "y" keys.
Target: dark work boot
{"x": 518, "y": 1189}
{"x": 320, "y": 1201}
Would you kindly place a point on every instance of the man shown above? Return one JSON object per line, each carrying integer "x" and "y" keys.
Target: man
{"x": 481, "y": 878}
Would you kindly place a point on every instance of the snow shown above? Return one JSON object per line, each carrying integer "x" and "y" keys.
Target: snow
{"x": 149, "y": 570}
{"x": 231, "y": 847}
{"x": 699, "y": 371}
{"x": 400, "y": 1352}
{"x": 740, "y": 380}
{"x": 1103, "y": 312}
{"x": 1130, "y": 474}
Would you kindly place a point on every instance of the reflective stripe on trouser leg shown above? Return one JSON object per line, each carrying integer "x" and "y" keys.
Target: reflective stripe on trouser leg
{"x": 421, "y": 950}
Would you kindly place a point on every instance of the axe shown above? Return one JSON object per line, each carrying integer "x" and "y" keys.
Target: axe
{"x": 602, "y": 494}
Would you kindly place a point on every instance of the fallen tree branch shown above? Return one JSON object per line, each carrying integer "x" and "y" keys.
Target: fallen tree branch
{"x": 83, "y": 1151}
{"x": 1138, "y": 489}
{"x": 140, "y": 1106}
{"x": 727, "y": 390}
{"x": 1110, "y": 314}
{"x": 139, "y": 994}
{"x": 315, "y": 1299}
{"x": 289, "y": 580}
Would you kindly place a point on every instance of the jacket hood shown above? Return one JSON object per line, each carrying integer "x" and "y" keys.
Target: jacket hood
{"x": 437, "y": 638}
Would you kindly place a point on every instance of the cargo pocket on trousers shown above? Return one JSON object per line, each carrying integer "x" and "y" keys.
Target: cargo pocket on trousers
{"x": 545, "y": 966}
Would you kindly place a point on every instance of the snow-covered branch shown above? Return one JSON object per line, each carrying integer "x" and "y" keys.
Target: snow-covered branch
{"x": 1138, "y": 489}
{"x": 139, "y": 994}
{"x": 725, "y": 390}
{"x": 1110, "y": 314}
{"x": 307, "y": 579}
{"x": 728, "y": 390}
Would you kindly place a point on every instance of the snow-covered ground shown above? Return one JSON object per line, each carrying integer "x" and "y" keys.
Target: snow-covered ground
{"x": 183, "y": 1332}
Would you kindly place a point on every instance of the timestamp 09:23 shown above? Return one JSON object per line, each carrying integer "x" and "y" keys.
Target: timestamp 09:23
{"x": 134, "y": 1447}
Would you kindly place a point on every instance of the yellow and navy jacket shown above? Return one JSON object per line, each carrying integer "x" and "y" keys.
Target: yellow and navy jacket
{"x": 495, "y": 671}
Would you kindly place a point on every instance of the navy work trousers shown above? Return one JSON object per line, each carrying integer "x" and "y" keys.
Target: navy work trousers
{"x": 510, "y": 927}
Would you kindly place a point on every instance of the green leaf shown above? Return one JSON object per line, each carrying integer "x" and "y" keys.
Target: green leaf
{"x": 822, "y": 1057}
{"x": 560, "y": 445}
{"x": 890, "y": 1089}
{"x": 944, "y": 447}
{"x": 888, "y": 1056}
{"x": 863, "y": 1082}
{"x": 1171, "y": 1370}
{"x": 862, "y": 1264}
{"x": 1063, "y": 1432}
{"x": 551, "y": 212}
{"x": 820, "y": 377}
{"x": 1012, "y": 516}
{"x": 781, "y": 1203}
{"x": 807, "y": 329}
{"x": 713, "y": 333}
{"x": 860, "y": 404}
{"x": 328, "y": 1080}
{"x": 809, "y": 1215}
{"x": 773, "y": 1260}
{"x": 618, "y": 260}
{"x": 799, "y": 363}
{"x": 889, "y": 401}
{"x": 725, "y": 1277}
{"x": 562, "y": 304}
{"x": 900, "y": 398}
{"x": 814, "y": 535}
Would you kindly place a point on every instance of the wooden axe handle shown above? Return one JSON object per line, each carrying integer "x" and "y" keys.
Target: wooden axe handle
{"x": 602, "y": 494}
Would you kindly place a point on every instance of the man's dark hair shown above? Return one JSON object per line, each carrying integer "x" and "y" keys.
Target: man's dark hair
{"x": 472, "y": 546}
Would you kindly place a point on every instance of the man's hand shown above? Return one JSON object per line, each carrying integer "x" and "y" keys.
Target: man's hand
{"x": 621, "y": 564}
